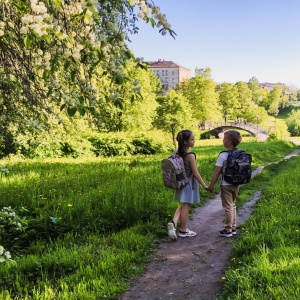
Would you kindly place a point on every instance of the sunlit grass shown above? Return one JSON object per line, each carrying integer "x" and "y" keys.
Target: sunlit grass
{"x": 93, "y": 222}
{"x": 265, "y": 262}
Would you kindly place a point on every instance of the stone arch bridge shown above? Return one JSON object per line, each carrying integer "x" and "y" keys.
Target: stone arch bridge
{"x": 254, "y": 129}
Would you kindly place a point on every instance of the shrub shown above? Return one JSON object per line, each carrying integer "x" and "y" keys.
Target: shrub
{"x": 144, "y": 145}
{"x": 110, "y": 146}
{"x": 208, "y": 135}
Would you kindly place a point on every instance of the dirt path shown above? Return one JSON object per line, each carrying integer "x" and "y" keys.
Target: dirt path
{"x": 191, "y": 268}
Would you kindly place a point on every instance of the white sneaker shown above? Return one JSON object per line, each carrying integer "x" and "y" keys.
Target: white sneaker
{"x": 172, "y": 231}
{"x": 188, "y": 233}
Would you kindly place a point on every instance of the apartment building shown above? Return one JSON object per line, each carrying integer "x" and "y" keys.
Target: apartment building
{"x": 269, "y": 86}
{"x": 169, "y": 73}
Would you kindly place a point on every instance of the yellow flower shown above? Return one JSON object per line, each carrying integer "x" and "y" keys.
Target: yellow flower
{"x": 70, "y": 205}
{"x": 223, "y": 277}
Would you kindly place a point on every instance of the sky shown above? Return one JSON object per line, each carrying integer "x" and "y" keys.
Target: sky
{"x": 236, "y": 39}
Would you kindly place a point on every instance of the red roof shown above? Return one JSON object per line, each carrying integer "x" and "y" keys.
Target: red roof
{"x": 163, "y": 64}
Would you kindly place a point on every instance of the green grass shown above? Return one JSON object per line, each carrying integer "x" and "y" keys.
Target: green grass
{"x": 265, "y": 262}
{"x": 108, "y": 214}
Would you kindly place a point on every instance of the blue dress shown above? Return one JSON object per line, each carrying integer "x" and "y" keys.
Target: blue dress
{"x": 190, "y": 192}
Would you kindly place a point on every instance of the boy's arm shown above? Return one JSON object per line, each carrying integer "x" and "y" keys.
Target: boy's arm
{"x": 214, "y": 178}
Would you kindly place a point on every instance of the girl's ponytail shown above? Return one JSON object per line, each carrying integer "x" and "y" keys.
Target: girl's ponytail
{"x": 183, "y": 136}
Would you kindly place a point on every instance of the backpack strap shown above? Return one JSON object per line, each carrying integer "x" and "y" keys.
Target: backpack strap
{"x": 193, "y": 178}
{"x": 229, "y": 154}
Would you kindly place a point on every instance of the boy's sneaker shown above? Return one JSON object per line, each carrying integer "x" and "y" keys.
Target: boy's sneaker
{"x": 172, "y": 231}
{"x": 225, "y": 233}
{"x": 234, "y": 232}
{"x": 187, "y": 233}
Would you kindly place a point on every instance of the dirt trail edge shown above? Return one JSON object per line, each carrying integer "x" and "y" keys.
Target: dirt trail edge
{"x": 191, "y": 268}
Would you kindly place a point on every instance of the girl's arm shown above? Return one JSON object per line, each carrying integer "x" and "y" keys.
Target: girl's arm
{"x": 192, "y": 160}
{"x": 214, "y": 178}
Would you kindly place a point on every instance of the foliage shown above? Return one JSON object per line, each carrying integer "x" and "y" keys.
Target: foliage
{"x": 120, "y": 146}
{"x": 121, "y": 110}
{"x": 228, "y": 99}
{"x": 52, "y": 53}
{"x": 293, "y": 123}
{"x": 200, "y": 92}
{"x": 280, "y": 132}
{"x": 173, "y": 113}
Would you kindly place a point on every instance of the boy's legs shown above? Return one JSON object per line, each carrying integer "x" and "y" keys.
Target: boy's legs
{"x": 228, "y": 196}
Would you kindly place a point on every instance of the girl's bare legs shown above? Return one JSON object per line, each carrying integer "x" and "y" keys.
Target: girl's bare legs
{"x": 182, "y": 214}
{"x": 176, "y": 217}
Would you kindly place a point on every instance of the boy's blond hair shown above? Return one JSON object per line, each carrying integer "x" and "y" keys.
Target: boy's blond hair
{"x": 234, "y": 136}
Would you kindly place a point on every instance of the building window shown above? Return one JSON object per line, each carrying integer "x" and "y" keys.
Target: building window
{"x": 163, "y": 72}
{"x": 166, "y": 72}
{"x": 157, "y": 72}
{"x": 173, "y": 80}
{"x": 166, "y": 79}
{"x": 173, "y": 73}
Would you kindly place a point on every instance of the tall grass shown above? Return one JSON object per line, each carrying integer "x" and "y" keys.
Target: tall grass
{"x": 265, "y": 262}
{"x": 92, "y": 223}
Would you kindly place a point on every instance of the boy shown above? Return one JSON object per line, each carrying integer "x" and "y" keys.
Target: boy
{"x": 229, "y": 192}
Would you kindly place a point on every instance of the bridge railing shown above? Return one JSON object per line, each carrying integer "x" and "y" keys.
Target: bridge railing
{"x": 251, "y": 127}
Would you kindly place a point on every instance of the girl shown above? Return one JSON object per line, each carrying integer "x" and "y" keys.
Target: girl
{"x": 189, "y": 194}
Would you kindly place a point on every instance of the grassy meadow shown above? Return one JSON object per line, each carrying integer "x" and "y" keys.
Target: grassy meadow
{"x": 265, "y": 260}
{"x": 82, "y": 229}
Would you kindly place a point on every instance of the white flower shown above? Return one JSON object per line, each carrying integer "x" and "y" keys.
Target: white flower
{"x": 68, "y": 53}
{"x": 1, "y": 32}
{"x": 24, "y": 30}
{"x": 38, "y": 19}
{"x": 27, "y": 19}
{"x": 36, "y": 28}
{"x": 47, "y": 56}
{"x": 7, "y": 255}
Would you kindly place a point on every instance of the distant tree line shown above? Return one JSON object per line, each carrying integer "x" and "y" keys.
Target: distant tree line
{"x": 66, "y": 72}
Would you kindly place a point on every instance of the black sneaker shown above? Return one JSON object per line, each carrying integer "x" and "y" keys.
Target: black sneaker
{"x": 234, "y": 232}
{"x": 225, "y": 233}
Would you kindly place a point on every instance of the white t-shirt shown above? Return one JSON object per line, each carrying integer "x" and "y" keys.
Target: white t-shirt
{"x": 221, "y": 162}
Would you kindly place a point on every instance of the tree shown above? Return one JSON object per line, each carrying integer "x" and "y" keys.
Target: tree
{"x": 254, "y": 86}
{"x": 173, "y": 113}
{"x": 274, "y": 100}
{"x": 244, "y": 98}
{"x": 130, "y": 105}
{"x": 50, "y": 53}
{"x": 228, "y": 98}
{"x": 293, "y": 123}
{"x": 202, "y": 96}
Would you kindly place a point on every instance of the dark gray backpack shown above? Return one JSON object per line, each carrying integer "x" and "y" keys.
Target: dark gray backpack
{"x": 238, "y": 168}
